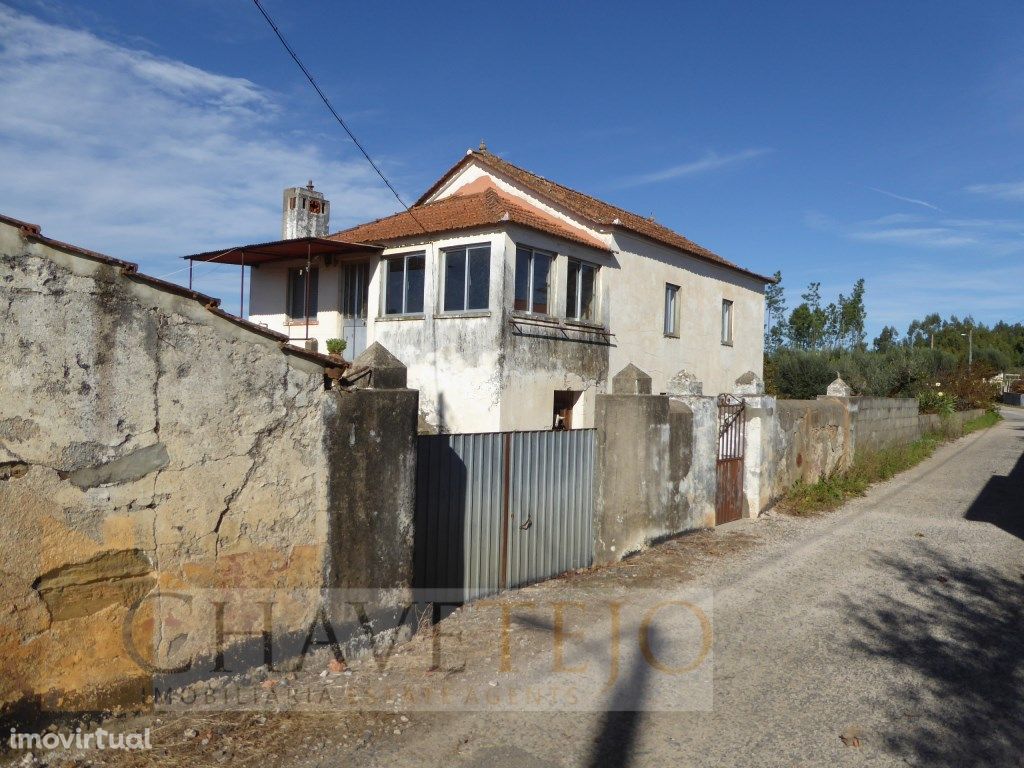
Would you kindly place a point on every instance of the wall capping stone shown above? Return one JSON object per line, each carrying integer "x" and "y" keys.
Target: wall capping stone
{"x": 631, "y": 381}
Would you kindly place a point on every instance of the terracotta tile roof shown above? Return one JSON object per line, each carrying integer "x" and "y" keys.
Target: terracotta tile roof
{"x": 597, "y": 211}
{"x": 464, "y": 211}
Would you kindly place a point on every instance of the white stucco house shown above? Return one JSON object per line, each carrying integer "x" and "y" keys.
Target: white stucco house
{"x": 510, "y": 298}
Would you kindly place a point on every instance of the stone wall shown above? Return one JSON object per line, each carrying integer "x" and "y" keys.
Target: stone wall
{"x": 654, "y": 466}
{"x": 656, "y": 455}
{"x": 801, "y": 441}
{"x": 150, "y": 443}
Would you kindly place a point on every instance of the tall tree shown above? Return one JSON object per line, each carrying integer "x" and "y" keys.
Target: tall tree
{"x": 853, "y": 316}
{"x": 887, "y": 339}
{"x": 775, "y": 315}
{"x": 807, "y": 322}
{"x": 921, "y": 333}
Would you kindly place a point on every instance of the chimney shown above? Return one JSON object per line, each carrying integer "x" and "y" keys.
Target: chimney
{"x": 306, "y": 213}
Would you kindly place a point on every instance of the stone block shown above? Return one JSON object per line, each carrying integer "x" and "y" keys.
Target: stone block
{"x": 839, "y": 388}
{"x": 685, "y": 383}
{"x": 386, "y": 370}
{"x": 749, "y": 384}
{"x": 631, "y": 381}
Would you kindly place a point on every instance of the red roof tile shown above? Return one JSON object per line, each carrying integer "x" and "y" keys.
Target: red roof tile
{"x": 590, "y": 208}
{"x": 465, "y": 211}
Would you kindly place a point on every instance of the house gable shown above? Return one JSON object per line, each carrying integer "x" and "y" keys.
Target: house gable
{"x": 470, "y": 176}
{"x": 582, "y": 210}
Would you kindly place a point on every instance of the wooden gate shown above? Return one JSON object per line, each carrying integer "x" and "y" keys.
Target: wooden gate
{"x": 729, "y": 467}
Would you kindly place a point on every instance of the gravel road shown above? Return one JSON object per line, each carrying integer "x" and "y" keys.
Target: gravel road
{"x": 889, "y": 632}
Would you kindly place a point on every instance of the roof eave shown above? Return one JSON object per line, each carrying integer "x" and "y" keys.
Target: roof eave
{"x": 719, "y": 262}
{"x": 498, "y": 225}
{"x": 465, "y": 160}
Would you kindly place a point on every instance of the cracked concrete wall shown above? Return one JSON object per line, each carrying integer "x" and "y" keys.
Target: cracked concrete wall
{"x": 802, "y": 441}
{"x": 145, "y": 443}
{"x": 654, "y": 470}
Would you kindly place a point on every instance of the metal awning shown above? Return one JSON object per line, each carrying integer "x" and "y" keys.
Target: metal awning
{"x": 282, "y": 250}
{"x": 304, "y": 248}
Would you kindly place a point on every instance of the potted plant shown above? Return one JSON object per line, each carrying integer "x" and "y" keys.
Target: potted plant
{"x": 335, "y": 348}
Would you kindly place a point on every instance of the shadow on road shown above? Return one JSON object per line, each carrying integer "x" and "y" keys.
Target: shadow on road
{"x": 958, "y": 629}
{"x": 1001, "y": 501}
{"x": 616, "y": 739}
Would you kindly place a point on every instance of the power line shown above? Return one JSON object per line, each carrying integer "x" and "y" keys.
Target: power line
{"x": 327, "y": 103}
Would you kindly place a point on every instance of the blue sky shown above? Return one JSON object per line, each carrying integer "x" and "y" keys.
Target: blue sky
{"x": 829, "y": 140}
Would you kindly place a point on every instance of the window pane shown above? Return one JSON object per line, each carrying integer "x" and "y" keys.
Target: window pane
{"x": 479, "y": 278}
{"x": 587, "y": 274}
{"x": 541, "y": 269}
{"x": 454, "y": 280}
{"x": 314, "y": 291}
{"x": 726, "y": 320}
{"x": 522, "y": 298}
{"x": 393, "y": 287}
{"x": 415, "y": 269}
{"x": 296, "y": 292}
{"x": 671, "y": 292}
{"x": 572, "y": 278}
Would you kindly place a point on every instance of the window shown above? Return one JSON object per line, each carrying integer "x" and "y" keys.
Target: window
{"x": 671, "y": 310}
{"x": 579, "y": 291}
{"x": 302, "y": 305}
{"x": 467, "y": 278}
{"x": 726, "y": 321}
{"x": 565, "y": 401}
{"x": 533, "y": 268}
{"x": 403, "y": 284}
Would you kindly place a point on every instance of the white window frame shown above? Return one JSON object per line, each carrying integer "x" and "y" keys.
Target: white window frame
{"x": 728, "y": 318}
{"x": 672, "y": 314}
{"x": 595, "y": 311}
{"x": 445, "y": 253}
{"x": 404, "y": 258}
{"x": 530, "y": 283}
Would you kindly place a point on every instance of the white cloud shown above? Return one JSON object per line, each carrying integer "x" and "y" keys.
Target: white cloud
{"x": 1012, "y": 190}
{"x": 913, "y": 200}
{"x": 924, "y": 237}
{"x": 984, "y": 237}
{"x": 710, "y": 162}
{"x": 144, "y": 157}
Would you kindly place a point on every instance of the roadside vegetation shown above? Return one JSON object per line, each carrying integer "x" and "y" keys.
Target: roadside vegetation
{"x": 948, "y": 364}
{"x": 806, "y": 499}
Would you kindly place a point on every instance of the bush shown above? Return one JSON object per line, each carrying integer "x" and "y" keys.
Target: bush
{"x": 336, "y": 346}
{"x": 800, "y": 375}
{"x": 971, "y": 387}
{"x": 897, "y": 372}
{"x": 932, "y": 401}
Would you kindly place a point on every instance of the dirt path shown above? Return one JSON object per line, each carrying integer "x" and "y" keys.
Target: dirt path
{"x": 890, "y": 632}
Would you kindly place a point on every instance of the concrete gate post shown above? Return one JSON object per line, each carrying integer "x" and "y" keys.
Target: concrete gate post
{"x": 759, "y": 410}
{"x": 370, "y": 438}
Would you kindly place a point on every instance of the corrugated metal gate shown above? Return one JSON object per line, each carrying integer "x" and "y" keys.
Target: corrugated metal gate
{"x": 502, "y": 509}
{"x": 729, "y": 467}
